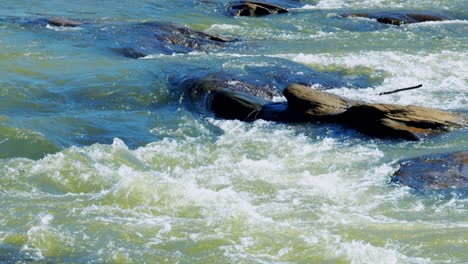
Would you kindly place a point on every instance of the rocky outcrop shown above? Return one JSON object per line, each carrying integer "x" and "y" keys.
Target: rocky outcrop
{"x": 379, "y": 120}
{"x": 399, "y": 18}
{"x": 248, "y": 102}
{"x": 315, "y": 105}
{"x": 250, "y": 8}
{"x": 437, "y": 172}
{"x": 397, "y": 121}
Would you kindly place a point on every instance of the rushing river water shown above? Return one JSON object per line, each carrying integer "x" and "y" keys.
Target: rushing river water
{"x": 102, "y": 162}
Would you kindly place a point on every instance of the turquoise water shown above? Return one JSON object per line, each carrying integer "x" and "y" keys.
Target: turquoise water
{"x": 102, "y": 161}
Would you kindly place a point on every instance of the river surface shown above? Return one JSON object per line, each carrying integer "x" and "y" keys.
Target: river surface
{"x": 102, "y": 162}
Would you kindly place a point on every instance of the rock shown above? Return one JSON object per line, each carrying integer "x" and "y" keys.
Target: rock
{"x": 136, "y": 40}
{"x": 399, "y": 18}
{"x": 230, "y": 100}
{"x": 314, "y": 104}
{"x": 142, "y": 39}
{"x": 62, "y": 22}
{"x": 437, "y": 172}
{"x": 245, "y": 101}
{"x": 236, "y": 105}
{"x": 396, "y": 121}
{"x": 249, "y": 8}
{"x": 379, "y": 120}
{"x": 129, "y": 52}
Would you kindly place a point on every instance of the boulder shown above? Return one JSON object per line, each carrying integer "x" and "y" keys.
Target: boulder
{"x": 379, "y": 120}
{"x": 228, "y": 99}
{"x": 249, "y": 8}
{"x": 435, "y": 172}
{"x": 399, "y": 18}
{"x": 315, "y": 105}
{"x": 397, "y": 121}
{"x": 248, "y": 102}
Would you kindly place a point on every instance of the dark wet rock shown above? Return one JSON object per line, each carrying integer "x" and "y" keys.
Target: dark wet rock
{"x": 396, "y": 121}
{"x": 436, "y": 172}
{"x": 250, "y": 8}
{"x": 314, "y": 104}
{"x": 133, "y": 40}
{"x": 142, "y": 39}
{"x": 399, "y": 18}
{"x": 63, "y": 22}
{"x": 230, "y": 99}
{"x": 129, "y": 52}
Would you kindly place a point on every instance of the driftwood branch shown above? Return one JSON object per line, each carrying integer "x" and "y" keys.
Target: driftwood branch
{"x": 402, "y": 89}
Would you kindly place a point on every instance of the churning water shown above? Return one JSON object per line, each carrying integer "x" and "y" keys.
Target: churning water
{"x": 102, "y": 162}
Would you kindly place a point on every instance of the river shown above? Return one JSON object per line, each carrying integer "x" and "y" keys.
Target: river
{"x": 102, "y": 162}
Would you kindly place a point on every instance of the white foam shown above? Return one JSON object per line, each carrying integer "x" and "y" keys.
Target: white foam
{"x": 57, "y": 28}
{"x": 362, "y": 252}
{"x": 437, "y": 23}
{"x": 253, "y": 182}
{"x": 224, "y": 27}
{"x": 443, "y": 75}
{"x": 336, "y": 4}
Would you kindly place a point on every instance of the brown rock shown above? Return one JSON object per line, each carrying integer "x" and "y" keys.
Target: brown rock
{"x": 248, "y": 8}
{"x": 396, "y": 121}
{"x": 380, "y": 120}
{"x": 314, "y": 104}
{"x": 439, "y": 172}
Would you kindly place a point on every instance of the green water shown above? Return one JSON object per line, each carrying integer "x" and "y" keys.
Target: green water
{"x": 101, "y": 161}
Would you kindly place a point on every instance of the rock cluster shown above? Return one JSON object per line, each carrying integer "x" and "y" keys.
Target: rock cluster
{"x": 248, "y": 102}
{"x": 305, "y": 104}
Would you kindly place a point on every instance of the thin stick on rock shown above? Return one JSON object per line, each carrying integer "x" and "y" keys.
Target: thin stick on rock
{"x": 402, "y": 89}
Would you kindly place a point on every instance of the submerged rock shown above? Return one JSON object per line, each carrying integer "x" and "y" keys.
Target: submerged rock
{"x": 437, "y": 172}
{"x": 63, "y": 22}
{"x": 142, "y": 39}
{"x": 399, "y": 18}
{"x": 250, "y": 8}
{"x": 135, "y": 40}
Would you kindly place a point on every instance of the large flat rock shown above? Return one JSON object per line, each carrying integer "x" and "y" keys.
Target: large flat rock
{"x": 315, "y": 104}
{"x": 379, "y": 120}
{"x": 397, "y": 121}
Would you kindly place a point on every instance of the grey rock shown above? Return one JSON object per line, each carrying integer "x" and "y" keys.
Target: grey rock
{"x": 435, "y": 172}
